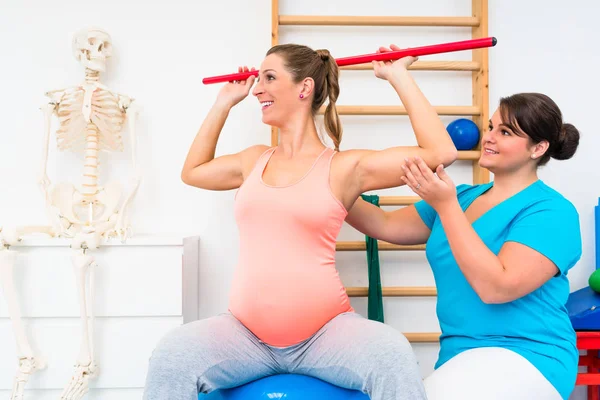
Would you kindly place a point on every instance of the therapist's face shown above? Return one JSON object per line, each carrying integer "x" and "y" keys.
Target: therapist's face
{"x": 505, "y": 148}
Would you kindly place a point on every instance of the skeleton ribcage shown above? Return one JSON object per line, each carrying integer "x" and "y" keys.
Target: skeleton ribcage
{"x": 106, "y": 116}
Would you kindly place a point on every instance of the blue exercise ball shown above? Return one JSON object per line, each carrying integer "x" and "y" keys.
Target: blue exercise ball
{"x": 285, "y": 386}
{"x": 464, "y": 133}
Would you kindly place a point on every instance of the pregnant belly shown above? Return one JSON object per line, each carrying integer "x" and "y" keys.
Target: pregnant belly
{"x": 285, "y": 312}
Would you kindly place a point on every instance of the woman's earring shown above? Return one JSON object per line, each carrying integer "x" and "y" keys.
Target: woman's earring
{"x": 301, "y": 96}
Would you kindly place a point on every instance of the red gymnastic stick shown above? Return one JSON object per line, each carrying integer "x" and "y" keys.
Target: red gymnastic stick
{"x": 390, "y": 55}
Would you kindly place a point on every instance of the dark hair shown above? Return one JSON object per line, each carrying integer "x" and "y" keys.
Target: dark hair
{"x": 538, "y": 116}
{"x": 303, "y": 62}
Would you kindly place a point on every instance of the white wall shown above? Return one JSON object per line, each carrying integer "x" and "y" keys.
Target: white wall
{"x": 163, "y": 50}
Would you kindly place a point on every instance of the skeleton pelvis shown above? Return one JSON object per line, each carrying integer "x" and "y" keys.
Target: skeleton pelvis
{"x": 83, "y": 209}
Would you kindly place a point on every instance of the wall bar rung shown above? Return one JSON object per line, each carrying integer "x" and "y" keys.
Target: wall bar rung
{"x": 398, "y": 200}
{"x": 423, "y": 337}
{"x": 398, "y": 291}
{"x": 472, "y": 155}
{"x": 425, "y": 66}
{"x": 401, "y": 110}
{"x": 361, "y": 245}
{"x": 340, "y": 20}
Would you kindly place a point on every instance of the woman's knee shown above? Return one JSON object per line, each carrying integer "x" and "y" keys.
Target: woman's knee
{"x": 395, "y": 342}
{"x": 173, "y": 346}
{"x": 382, "y": 345}
{"x": 199, "y": 343}
{"x": 187, "y": 343}
{"x": 391, "y": 351}
{"x": 393, "y": 365}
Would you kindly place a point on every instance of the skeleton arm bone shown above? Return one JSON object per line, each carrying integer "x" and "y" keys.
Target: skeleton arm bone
{"x": 44, "y": 181}
{"x": 131, "y": 117}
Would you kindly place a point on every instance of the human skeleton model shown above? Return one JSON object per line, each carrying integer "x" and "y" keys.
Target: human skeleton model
{"x": 91, "y": 119}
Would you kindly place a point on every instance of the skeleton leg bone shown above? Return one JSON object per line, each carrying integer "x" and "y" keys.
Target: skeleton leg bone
{"x": 85, "y": 367}
{"x": 28, "y": 362}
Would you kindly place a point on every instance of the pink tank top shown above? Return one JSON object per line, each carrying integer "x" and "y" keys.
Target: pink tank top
{"x": 286, "y": 286}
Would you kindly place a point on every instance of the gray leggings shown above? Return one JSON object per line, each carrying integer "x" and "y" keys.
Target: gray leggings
{"x": 349, "y": 351}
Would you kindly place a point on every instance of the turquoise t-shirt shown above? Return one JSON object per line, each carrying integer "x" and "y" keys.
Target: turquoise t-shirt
{"x": 535, "y": 326}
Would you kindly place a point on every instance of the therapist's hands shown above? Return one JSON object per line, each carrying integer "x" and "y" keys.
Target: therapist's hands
{"x": 437, "y": 189}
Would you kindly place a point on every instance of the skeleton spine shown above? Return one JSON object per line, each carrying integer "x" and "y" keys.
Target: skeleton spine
{"x": 90, "y": 168}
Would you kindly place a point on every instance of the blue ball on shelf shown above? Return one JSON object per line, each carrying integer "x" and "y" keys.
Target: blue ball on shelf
{"x": 288, "y": 387}
{"x": 464, "y": 133}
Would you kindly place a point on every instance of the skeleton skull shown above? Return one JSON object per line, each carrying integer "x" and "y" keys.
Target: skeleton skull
{"x": 91, "y": 47}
